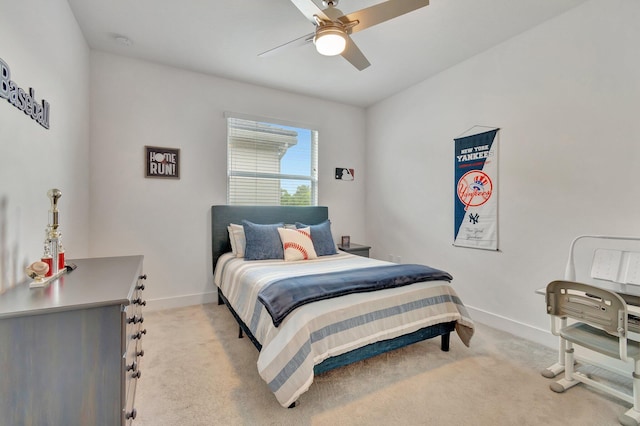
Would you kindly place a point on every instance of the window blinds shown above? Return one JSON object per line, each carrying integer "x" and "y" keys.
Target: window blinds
{"x": 270, "y": 164}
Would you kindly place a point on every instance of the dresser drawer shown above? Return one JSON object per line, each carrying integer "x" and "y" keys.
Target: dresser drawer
{"x": 134, "y": 316}
{"x": 357, "y": 249}
{"x": 130, "y": 413}
{"x": 132, "y": 373}
{"x": 133, "y": 353}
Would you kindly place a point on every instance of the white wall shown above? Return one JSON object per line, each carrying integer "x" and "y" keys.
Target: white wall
{"x": 44, "y": 48}
{"x": 136, "y": 103}
{"x": 565, "y": 95}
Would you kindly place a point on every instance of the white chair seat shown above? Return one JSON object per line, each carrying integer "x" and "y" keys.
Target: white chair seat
{"x": 598, "y": 340}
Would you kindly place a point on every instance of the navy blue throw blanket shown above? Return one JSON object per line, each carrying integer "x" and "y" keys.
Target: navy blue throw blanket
{"x": 283, "y": 296}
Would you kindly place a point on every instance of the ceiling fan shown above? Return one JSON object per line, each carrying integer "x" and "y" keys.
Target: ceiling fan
{"x": 333, "y": 28}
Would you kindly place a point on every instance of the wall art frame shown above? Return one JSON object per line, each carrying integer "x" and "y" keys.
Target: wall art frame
{"x": 162, "y": 162}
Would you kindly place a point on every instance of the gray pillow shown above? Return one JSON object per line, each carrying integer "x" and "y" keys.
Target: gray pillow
{"x": 263, "y": 241}
{"x": 321, "y": 236}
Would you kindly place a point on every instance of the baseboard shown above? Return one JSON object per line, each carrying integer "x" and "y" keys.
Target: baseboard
{"x": 519, "y": 329}
{"x": 181, "y": 301}
{"x": 525, "y": 331}
{"x": 522, "y": 330}
{"x": 545, "y": 338}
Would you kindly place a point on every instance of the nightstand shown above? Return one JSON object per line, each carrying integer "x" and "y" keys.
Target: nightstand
{"x": 356, "y": 249}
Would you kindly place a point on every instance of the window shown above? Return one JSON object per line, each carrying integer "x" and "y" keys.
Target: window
{"x": 271, "y": 164}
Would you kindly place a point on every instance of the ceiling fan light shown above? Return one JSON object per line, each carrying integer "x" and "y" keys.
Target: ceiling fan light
{"x": 330, "y": 41}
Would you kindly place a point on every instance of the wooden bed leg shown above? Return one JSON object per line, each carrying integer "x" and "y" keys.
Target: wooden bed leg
{"x": 240, "y": 335}
{"x": 220, "y": 301}
{"x": 444, "y": 342}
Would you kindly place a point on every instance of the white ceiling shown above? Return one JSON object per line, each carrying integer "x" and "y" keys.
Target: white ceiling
{"x": 224, "y": 38}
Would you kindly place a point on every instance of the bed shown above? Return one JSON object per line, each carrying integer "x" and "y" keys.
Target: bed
{"x": 327, "y": 333}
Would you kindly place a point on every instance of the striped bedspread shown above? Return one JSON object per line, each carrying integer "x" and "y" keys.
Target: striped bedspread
{"x": 317, "y": 331}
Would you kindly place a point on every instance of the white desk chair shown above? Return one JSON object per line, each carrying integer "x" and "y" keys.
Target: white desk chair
{"x": 599, "y": 323}
{"x": 619, "y": 267}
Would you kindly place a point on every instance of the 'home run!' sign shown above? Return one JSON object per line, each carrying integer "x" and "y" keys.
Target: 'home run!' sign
{"x": 476, "y": 195}
{"x": 162, "y": 162}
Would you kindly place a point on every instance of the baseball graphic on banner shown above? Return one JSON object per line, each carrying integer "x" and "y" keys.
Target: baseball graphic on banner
{"x": 474, "y": 188}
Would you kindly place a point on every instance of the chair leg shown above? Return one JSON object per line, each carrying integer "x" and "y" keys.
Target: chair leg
{"x": 632, "y": 416}
{"x": 568, "y": 381}
{"x": 557, "y": 368}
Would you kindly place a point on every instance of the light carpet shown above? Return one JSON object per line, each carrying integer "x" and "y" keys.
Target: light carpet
{"x": 195, "y": 371}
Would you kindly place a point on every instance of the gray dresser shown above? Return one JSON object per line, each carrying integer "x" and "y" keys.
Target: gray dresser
{"x": 70, "y": 352}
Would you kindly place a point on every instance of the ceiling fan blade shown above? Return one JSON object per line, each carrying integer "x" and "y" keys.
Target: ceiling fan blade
{"x": 353, "y": 54}
{"x": 309, "y": 9}
{"x": 301, "y": 41}
{"x": 381, "y": 12}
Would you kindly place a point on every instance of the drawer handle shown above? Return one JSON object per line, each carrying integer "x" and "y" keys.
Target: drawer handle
{"x": 141, "y": 286}
{"x": 131, "y": 415}
{"x": 139, "y": 301}
{"x": 139, "y": 334}
{"x": 137, "y": 374}
{"x": 135, "y": 320}
{"x": 141, "y": 353}
{"x": 133, "y": 367}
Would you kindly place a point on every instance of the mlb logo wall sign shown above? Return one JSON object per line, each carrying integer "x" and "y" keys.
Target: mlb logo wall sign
{"x": 162, "y": 162}
{"x": 345, "y": 174}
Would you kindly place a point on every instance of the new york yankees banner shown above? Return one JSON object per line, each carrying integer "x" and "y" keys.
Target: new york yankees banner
{"x": 476, "y": 191}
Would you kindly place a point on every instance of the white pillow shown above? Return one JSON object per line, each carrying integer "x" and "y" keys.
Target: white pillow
{"x": 297, "y": 244}
{"x": 232, "y": 240}
{"x": 238, "y": 241}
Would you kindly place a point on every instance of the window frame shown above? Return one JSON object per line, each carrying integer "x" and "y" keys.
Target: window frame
{"x": 312, "y": 178}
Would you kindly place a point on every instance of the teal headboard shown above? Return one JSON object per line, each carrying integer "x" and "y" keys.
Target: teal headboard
{"x": 222, "y": 216}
